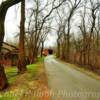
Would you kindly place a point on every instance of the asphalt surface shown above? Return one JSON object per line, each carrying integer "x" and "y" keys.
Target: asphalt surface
{"x": 67, "y": 83}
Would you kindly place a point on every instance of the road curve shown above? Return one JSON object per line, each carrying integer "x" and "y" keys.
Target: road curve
{"x": 67, "y": 83}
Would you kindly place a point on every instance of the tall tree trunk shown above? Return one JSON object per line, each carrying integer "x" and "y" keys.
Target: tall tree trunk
{"x": 84, "y": 49}
{"x": 68, "y": 41}
{"x": 64, "y": 49}
{"x": 42, "y": 48}
{"x": 3, "y": 79}
{"x": 58, "y": 48}
{"x": 3, "y": 10}
{"x": 21, "y": 60}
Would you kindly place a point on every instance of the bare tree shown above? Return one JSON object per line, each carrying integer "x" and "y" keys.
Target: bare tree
{"x": 94, "y": 8}
{"x": 74, "y": 7}
{"x": 21, "y": 59}
{"x": 39, "y": 22}
{"x": 59, "y": 32}
{"x": 83, "y": 30}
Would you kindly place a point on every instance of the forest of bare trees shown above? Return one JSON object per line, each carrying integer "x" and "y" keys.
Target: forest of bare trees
{"x": 78, "y": 33}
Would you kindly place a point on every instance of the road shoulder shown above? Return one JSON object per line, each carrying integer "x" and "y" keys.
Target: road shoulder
{"x": 81, "y": 69}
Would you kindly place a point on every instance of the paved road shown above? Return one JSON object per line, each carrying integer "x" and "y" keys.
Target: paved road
{"x": 66, "y": 83}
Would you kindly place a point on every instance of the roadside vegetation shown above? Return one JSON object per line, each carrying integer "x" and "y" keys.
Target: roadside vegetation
{"x": 83, "y": 69}
{"x": 32, "y": 85}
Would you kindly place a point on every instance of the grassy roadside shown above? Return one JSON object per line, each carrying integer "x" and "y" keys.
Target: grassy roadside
{"x": 82, "y": 69}
{"x": 31, "y": 85}
{"x": 86, "y": 71}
